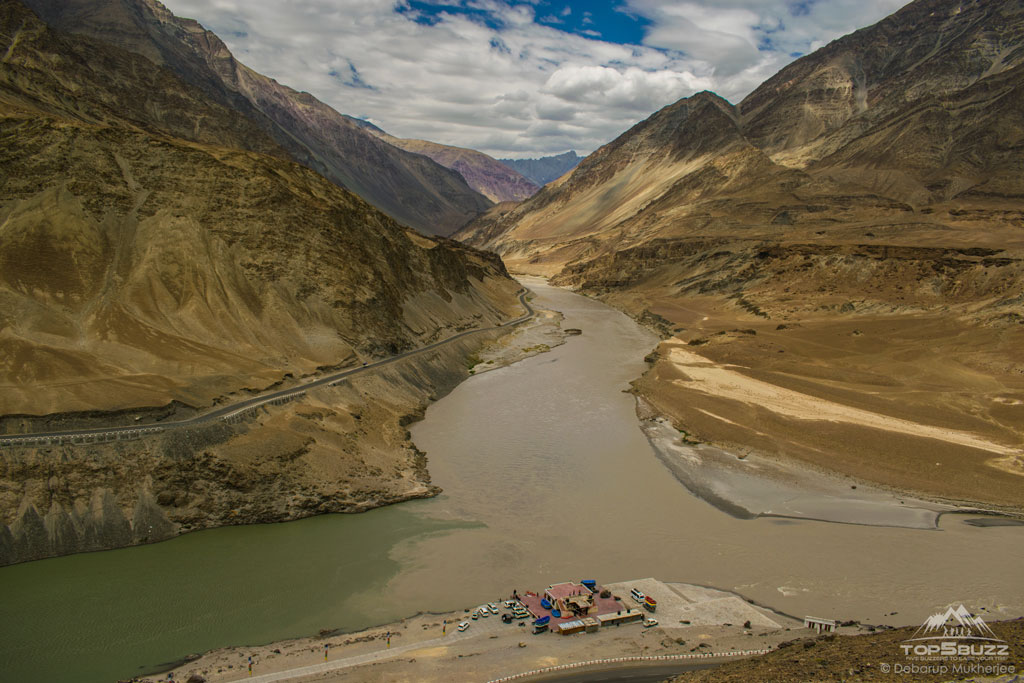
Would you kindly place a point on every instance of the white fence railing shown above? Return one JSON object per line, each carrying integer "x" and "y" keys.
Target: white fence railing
{"x": 621, "y": 660}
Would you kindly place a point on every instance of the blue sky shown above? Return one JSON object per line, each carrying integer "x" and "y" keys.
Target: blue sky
{"x": 522, "y": 78}
{"x": 611, "y": 21}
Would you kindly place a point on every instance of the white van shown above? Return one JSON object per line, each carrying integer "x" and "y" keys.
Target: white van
{"x": 637, "y": 595}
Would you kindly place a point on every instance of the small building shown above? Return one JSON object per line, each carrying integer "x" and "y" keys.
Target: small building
{"x": 570, "y": 598}
{"x": 571, "y": 627}
{"x": 621, "y": 617}
{"x": 590, "y": 624}
{"x": 820, "y": 625}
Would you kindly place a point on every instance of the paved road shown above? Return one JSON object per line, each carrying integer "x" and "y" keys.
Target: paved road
{"x": 101, "y": 434}
{"x": 626, "y": 673}
{"x": 632, "y": 673}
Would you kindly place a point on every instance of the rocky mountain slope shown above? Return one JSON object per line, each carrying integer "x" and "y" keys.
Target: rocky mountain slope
{"x": 408, "y": 187}
{"x": 545, "y": 169}
{"x": 882, "y": 128}
{"x": 485, "y": 174}
{"x": 148, "y": 268}
{"x": 874, "y": 184}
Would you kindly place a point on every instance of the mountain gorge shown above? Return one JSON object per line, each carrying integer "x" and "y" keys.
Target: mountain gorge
{"x": 861, "y": 203}
{"x": 161, "y": 254}
{"x": 408, "y": 187}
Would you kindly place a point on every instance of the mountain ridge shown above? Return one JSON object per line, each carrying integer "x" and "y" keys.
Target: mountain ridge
{"x": 543, "y": 170}
{"x": 411, "y": 188}
{"x": 483, "y": 173}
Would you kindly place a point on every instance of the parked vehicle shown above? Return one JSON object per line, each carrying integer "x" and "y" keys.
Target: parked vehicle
{"x": 476, "y": 615}
{"x": 637, "y": 595}
{"x": 650, "y": 603}
{"x": 490, "y": 606}
{"x": 541, "y": 628}
{"x": 463, "y": 626}
{"x": 650, "y": 622}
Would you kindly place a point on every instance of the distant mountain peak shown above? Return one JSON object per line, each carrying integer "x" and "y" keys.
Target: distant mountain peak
{"x": 545, "y": 169}
{"x": 483, "y": 173}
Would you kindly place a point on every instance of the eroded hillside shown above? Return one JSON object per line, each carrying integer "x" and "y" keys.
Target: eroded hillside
{"x": 149, "y": 269}
{"x": 411, "y": 188}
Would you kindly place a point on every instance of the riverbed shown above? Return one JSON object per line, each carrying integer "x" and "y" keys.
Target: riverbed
{"x": 547, "y": 476}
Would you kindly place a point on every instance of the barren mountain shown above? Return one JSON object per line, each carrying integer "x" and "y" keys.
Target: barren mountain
{"x": 149, "y": 270}
{"x": 485, "y": 174}
{"x": 859, "y": 214}
{"x": 409, "y": 187}
{"x": 545, "y": 169}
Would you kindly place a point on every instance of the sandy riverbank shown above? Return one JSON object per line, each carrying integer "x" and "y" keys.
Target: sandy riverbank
{"x": 692, "y": 620}
{"x": 747, "y": 485}
{"x": 927, "y": 406}
{"x": 541, "y": 334}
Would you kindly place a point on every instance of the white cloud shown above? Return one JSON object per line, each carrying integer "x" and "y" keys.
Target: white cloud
{"x": 625, "y": 89}
{"x": 513, "y": 86}
{"x": 735, "y": 35}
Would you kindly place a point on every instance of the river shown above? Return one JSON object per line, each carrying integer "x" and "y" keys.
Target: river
{"x": 547, "y": 477}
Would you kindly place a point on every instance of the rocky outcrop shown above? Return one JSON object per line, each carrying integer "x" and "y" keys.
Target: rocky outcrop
{"x": 98, "y": 524}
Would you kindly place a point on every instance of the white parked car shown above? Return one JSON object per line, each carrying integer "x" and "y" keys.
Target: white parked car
{"x": 490, "y": 606}
{"x": 463, "y": 626}
{"x": 650, "y": 622}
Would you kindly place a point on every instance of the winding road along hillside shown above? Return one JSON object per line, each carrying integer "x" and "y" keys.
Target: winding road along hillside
{"x": 234, "y": 410}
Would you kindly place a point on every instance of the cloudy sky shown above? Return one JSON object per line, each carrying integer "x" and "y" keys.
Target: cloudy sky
{"x": 522, "y": 78}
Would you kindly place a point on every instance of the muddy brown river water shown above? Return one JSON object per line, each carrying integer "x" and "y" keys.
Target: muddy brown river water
{"x": 547, "y": 477}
